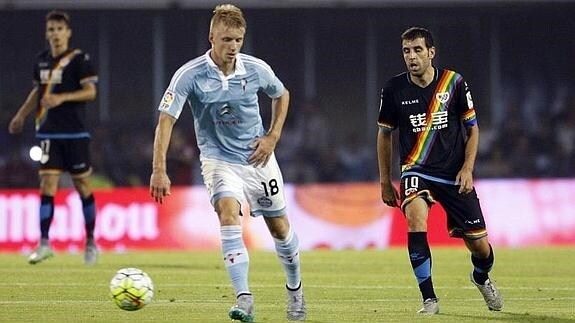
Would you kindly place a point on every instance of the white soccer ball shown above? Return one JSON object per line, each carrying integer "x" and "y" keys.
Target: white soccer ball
{"x": 131, "y": 289}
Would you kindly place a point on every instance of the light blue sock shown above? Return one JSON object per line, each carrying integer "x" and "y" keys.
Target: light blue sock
{"x": 236, "y": 257}
{"x": 288, "y": 253}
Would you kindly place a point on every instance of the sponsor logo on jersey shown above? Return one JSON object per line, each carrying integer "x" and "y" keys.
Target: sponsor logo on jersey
{"x": 410, "y": 102}
{"x": 48, "y": 76}
{"x": 226, "y": 116}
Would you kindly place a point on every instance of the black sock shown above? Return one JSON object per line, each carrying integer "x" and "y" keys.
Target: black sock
{"x": 46, "y": 214}
{"x": 89, "y": 209}
{"x": 482, "y": 267}
{"x": 420, "y": 258}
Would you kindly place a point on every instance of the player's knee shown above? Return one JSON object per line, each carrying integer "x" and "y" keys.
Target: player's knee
{"x": 49, "y": 184}
{"x": 82, "y": 185}
{"x": 479, "y": 248}
{"x": 229, "y": 218}
{"x": 279, "y": 227}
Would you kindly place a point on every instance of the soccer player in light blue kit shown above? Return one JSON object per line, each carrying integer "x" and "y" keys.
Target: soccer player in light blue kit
{"x": 236, "y": 152}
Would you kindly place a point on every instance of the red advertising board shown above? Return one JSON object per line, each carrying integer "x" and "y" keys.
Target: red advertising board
{"x": 334, "y": 216}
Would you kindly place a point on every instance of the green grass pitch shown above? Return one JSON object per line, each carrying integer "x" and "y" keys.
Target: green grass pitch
{"x": 538, "y": 284}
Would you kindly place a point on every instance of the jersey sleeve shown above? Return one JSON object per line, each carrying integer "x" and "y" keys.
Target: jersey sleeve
{"x": 270, "y": 84}
{"x": 86, "y": 70}
{"x": 387, "y": 120}
{"x": 177, "y": 93}
{"x": 466, "y": 109}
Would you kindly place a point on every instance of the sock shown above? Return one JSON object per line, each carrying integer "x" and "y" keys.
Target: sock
{"x": 89, "y": 209}
{"x": 288, "y": 252}
{"x": 420, "y": 258}
{"x": 236, "y": 258}
{"x": 46, "y": 215}
{"x": 482, "y": 267}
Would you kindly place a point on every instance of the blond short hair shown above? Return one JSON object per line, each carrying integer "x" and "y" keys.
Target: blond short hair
{"x": 228, "y": 15}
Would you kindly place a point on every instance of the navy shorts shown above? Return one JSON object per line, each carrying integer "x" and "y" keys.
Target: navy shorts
{"x": 464, "y": 216}
{"x": 65, "y": 155}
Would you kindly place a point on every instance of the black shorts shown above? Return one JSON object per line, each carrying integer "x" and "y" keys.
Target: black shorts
{"x": 464, "y": 216}
{"x": 69, "y": 155}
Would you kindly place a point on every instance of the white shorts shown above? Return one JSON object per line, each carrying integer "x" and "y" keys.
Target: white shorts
{"x": 262, "y": 187}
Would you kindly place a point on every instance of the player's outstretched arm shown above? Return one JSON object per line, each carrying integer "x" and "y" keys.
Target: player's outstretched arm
{"x": 17, "y": 122}
{"x": 159, "y": 181}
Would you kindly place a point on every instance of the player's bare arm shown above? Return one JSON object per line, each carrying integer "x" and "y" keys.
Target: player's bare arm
{"x": 465, "y": 175}
{"x": 389, "y": 194}
{"x": 17, "y": 122}
{"x": 264, "y": 146}
{"x": 86, "y": 93}
{"x": 159, "y": 181}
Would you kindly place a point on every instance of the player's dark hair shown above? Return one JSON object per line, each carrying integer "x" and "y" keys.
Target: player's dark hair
{"x": 418, "y": 32}
{"x": 61, "y": 16}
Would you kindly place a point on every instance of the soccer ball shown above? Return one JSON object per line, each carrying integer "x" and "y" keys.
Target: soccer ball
{"x": 131, "y": 289}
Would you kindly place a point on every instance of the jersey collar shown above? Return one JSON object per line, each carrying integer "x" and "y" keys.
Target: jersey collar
{"x": 435, "y": 77}
{"x": 240, "y": 68}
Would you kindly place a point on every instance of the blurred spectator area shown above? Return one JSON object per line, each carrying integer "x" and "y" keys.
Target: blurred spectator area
{"x": 516, "y": 56}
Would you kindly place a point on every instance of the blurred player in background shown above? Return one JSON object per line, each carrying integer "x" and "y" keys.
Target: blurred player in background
{"x": 438, "y": 139}
{"x": 236, "y": 153}
{"x": 64, "y": 80}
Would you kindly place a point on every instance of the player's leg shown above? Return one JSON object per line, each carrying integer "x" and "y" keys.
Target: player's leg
{"x": 48, "y": 189}
{"x": 482, "y": 259}
{"x": 420, "y": 254}
{"x": 224, "y": 186}
{"x": 287, "y": 249}
{"x": 416, "y": 200}
{"x": 77, "y": 162}
{"x": 51, "y": 166}
{"x": 236, "y": 257}
{"x": 264, "y": 191}
{"x": 82, "y": 185}
{"x": 465, "y": 220}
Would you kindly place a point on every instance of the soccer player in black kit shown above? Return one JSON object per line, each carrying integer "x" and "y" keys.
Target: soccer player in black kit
{"x": 64, "y": 80}
{"x": 438, "y": 139}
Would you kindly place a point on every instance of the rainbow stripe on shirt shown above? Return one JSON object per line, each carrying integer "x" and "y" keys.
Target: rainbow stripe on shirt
{"x": 422, "y": 147}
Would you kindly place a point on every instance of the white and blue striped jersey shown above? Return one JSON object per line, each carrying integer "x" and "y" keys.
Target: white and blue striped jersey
{"x": 225, "y": 108}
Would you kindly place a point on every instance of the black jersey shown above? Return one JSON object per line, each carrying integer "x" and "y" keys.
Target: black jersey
{"x": 430, "y": 119}
{"x": 65, "y": 73}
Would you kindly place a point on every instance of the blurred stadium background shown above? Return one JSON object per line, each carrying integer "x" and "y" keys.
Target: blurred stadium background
{"x": 334, "y": 55}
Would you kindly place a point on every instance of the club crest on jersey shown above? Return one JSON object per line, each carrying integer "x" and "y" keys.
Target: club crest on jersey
{"x": 264, "y": 202}
{"x": 442, "y": 97}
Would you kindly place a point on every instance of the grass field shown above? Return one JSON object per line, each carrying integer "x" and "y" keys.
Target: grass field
{"x": 340, "y": 286}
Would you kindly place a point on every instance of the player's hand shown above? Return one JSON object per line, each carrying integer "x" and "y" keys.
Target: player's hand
{"x": 465, "y": 181}
{"x": 263, "y": 149}
{"x": 52, "y": 100}
{"x": 389, "y": 195}
{"x": 16, "y": 125}
{"x": 159, "y": 186}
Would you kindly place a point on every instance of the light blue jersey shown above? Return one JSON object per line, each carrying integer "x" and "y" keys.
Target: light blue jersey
{"x": 225, "y": 108}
